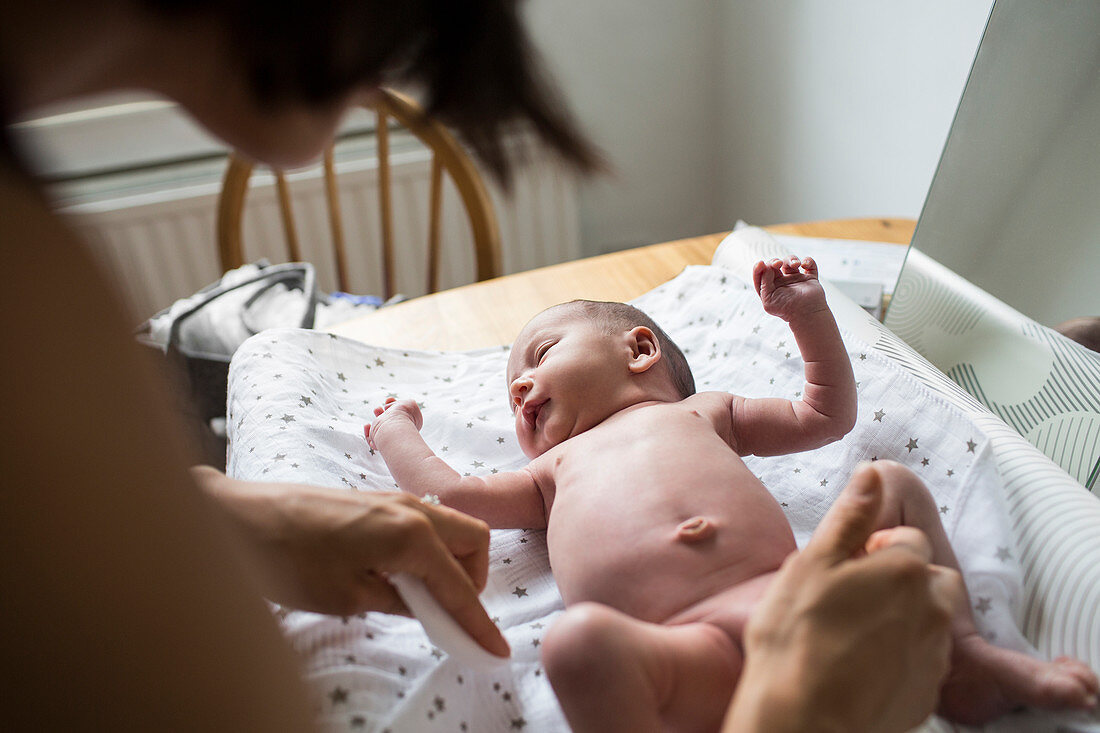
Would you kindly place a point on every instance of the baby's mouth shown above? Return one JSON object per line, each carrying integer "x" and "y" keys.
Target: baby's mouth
{"x": 531, "y": 413}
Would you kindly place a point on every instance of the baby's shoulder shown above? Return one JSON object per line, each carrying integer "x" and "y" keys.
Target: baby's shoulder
{"x": 707, "y": 401}
{"x": 714, "y": 406}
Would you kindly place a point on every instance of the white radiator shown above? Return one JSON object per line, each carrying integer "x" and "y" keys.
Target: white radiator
{"x": 160, "y": 243}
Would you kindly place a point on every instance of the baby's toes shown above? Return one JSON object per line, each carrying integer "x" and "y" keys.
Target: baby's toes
{"x": 1081, "y": 671}
{"x": 1068, "y": 682}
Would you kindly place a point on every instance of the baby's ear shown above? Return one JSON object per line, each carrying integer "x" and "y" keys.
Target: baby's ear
{"x": 644, "y": 349}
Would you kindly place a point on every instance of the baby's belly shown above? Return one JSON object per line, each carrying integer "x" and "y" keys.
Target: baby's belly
{"x": 630, "y": 545}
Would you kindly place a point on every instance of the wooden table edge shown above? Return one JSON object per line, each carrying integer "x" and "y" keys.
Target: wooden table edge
{"x": 474, "y": 316}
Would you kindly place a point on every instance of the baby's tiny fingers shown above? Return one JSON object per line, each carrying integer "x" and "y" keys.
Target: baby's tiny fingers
{"x": 767, "y": 279}
{"x": 757, "y": 273}
{"x": 790, "y": 267}
{"x": 809, "y": 265}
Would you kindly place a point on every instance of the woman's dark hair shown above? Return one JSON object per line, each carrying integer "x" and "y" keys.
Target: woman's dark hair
{"x": 616, "y": 317}
{"x": 472, "y": 59}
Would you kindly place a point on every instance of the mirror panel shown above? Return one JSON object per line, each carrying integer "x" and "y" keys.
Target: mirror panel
{"x": 1015, "y": 203}
{"x": 1014, "y": 211}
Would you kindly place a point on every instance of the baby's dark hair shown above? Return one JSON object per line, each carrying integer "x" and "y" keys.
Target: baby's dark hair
{"x": 619, "y": 317}
{"x": 1084, "y": 330}
{"x": 472, "y": 58}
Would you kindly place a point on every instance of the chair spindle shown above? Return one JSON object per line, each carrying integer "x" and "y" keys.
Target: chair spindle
{"x": 336, "y": 221}
{"x": 435, "y": 203}
{"x": 385, "y": 203}
{"x": 286, "y": 213}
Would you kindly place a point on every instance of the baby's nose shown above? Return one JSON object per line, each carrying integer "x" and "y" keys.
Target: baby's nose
{"x": 519, "y": 388}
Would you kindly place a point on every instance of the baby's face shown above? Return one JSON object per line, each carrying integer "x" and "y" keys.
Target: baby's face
{"x": 563, "y": 376}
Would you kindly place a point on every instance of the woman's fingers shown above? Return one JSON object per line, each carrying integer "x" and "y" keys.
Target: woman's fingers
{"x": 447, "y": 550}
{"x": 379, "y": 595}
{"x": 431, "y": 561}
{"x": 910, "y": 538}
{"x": 948, "y": 590}
{"x": 850, "y": 521}
{"x": 466, "y": 538}
{"x": 460, "y": 600}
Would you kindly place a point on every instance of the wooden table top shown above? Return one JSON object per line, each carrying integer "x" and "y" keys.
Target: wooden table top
{"x": 492, "y": 312}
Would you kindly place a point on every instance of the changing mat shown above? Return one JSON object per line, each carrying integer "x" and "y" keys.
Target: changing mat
{"x": 299, "y": 399}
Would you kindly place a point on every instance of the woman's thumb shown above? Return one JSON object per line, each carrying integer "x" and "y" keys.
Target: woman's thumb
{"x": 850, "y": 521}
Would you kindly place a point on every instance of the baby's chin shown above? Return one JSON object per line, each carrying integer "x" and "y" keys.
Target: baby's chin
{"x": 532, "y": 446}
{"x": 531, "y": 450}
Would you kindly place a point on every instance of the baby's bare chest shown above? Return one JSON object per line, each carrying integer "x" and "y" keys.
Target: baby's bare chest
{"x": 655, "y": 454}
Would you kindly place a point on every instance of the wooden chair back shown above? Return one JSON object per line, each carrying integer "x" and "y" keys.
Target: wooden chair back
{"x": 446, "y": 155}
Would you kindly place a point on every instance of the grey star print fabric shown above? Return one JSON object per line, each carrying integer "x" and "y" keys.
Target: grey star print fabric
{"x": 299, "y": 399}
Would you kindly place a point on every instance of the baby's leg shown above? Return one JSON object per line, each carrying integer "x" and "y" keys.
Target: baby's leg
{"x": 985, "y": 681}
{"x": 612, "y": 672}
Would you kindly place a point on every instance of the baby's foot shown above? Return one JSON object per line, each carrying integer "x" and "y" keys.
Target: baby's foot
{"x": 987, "y": 681}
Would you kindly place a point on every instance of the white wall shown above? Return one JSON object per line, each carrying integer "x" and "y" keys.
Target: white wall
{"x": 767, "y": 110}
{"x": 641, "y": 76}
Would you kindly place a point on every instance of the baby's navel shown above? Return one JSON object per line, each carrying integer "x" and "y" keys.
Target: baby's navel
{"x": 695, "y": 529}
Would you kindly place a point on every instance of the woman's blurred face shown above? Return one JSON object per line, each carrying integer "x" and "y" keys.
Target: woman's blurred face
{"x": 211, "y": 83}
{"x": 287, "y": 136}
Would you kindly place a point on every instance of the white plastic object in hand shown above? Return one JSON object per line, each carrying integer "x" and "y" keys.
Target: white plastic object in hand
{"x": 440, "y": 626}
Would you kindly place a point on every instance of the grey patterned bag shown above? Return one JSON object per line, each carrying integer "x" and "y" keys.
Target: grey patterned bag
{"x": 200, "y": 334}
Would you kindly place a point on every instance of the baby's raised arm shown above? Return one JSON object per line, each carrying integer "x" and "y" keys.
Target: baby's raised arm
{"x": 507, "y": 500}
{"x": 827, "y": 411}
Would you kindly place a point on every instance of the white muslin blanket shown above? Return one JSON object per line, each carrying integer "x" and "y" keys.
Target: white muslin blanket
{"x": 298, "y": 401}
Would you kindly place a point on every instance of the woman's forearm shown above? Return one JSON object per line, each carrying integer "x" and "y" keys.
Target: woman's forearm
{"x": 760, "y": 705}
{"x": 124, "y": 601}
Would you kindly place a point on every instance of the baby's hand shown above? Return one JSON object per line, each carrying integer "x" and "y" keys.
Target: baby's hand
{"x": 393, "y": 409}
{"x": 789, "y": 288}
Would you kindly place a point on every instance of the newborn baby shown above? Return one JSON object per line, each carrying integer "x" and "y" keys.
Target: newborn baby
{"x": 660, "y": 538}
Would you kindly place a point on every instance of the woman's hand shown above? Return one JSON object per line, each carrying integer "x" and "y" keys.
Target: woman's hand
{"x": 330, "y": 551}
{"x": 847, "y": 641}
